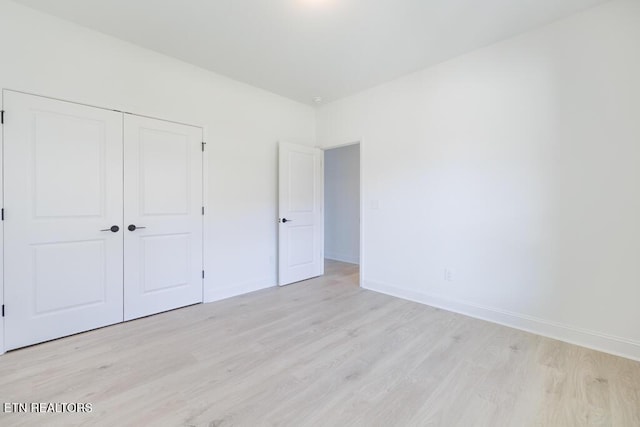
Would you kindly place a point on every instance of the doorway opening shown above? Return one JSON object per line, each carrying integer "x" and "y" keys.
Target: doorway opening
{"x": 342, "y": 210}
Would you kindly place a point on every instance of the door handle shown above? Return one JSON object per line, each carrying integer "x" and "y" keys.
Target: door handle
{"x": 133, "y": 227}
{"x": 113, "y": 229}
{"x": 285, "y": 220}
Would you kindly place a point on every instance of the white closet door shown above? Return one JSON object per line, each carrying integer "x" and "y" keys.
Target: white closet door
{"x": 163, "y": 216}
{"x": 63, "y": 185}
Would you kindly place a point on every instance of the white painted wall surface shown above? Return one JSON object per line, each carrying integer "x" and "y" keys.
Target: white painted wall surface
{"x": 516, "y": 167}
{"x": 48, "y": 56}
{"x": 342, "y": 203}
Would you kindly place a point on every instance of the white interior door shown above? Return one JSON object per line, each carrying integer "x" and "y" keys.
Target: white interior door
{"x": 63, "y": 185}
{"x": 163, "y": 216}
{"x": 301, "y": 222}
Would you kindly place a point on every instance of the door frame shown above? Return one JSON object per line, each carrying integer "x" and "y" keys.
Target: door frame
{"x": 360, "y": 142}
{"x": 205, "y": 186}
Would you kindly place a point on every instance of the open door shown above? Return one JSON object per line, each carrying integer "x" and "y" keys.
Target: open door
{"x": 301, "y": 221}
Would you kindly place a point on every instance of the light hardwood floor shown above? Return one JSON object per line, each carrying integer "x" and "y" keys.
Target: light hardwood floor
{"x": 320, "y": 353}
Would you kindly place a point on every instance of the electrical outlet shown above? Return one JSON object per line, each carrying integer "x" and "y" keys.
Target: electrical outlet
{"x": 448, "y": 275}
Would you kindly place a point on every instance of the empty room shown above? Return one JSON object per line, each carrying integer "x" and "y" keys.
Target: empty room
{"x": 320, "y": 213}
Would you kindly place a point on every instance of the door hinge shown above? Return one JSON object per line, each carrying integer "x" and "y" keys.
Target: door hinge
{"x": 2, "y": 117}
{"x": 203, "y": 210}
{"x": 202, "y": 276}
{"x": 203, "y": 144}
{"x": 2, "y": 214}
{"x": 2, "y": 310}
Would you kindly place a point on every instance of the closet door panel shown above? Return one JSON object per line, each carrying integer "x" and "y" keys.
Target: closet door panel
{"x": 163, "y": 217}
{"x": 63, "y": 186}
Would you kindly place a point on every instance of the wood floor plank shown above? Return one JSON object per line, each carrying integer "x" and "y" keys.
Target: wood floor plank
{"x": 320, "y": 353}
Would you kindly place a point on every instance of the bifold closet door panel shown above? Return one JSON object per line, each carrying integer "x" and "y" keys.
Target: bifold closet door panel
{"x": 63, "y": 202}
{"x": 163, "y": 216}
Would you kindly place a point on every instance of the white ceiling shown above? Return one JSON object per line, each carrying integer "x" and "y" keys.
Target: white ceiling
{"x": 307, "y": 48}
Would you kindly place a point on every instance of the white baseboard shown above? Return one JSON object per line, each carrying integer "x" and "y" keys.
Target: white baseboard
{"x": 351, "y": 259}
{"x": 217, "y": 294}
{"x": 594, "y": 340}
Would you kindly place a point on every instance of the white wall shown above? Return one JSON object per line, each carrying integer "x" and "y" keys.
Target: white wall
{"x": 517, "y": 167}
{"x": 48, "y": 56}
{"x": 342, "y": 203}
